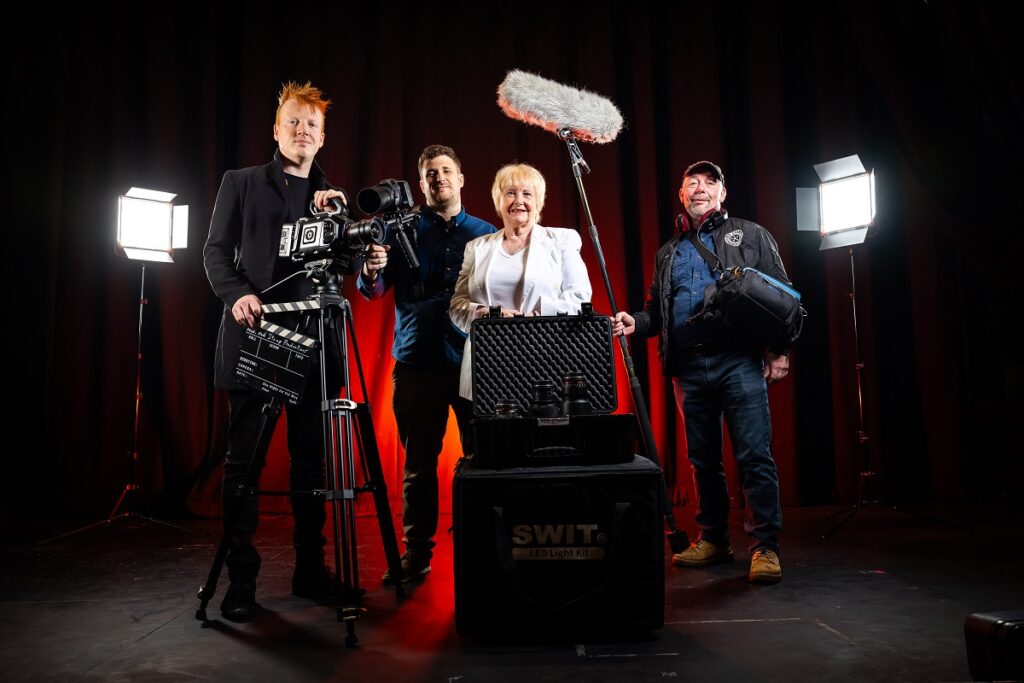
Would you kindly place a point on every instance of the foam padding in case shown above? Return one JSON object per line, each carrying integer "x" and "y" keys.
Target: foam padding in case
{"x": 511, "y": 354}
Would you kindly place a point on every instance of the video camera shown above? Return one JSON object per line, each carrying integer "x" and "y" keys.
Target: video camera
{"x": 333, "y": 234}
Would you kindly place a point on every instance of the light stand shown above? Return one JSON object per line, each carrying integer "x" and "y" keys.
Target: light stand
{"x": 150, "y": 227}
{"x": 842, "y": 210}
{"x": 866, "y": 474}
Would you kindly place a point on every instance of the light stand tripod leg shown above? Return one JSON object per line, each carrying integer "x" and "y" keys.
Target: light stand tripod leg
{"x": 165, "y": 523}
{"x": 129, "y": 490}
{"x": 233, "y": 514}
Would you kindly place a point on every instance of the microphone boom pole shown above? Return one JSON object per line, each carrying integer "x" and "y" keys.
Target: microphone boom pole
{"x": 574, "y": 115}
{"x": 677, "y": 539}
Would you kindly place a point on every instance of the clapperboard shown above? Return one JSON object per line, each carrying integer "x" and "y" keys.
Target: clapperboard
{"x": 275, "y": 360}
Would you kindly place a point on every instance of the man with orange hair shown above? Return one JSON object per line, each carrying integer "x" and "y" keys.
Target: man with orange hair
{"x": 241, "y": 263}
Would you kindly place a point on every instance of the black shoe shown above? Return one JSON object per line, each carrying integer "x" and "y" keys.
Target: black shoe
{"x": 415, "y": 567}
{"x": 315, "y": 582}
{"x": 240, "y": 601}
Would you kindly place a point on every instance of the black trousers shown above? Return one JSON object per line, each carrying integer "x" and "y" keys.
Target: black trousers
{"x": 421, "y": 400}
{"x": 306, "y": 450}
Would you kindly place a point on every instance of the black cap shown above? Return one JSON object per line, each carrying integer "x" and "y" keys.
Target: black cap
{"x": 705, "y": 167}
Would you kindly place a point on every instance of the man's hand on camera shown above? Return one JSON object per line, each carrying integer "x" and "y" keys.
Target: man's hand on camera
{"x": 376, "y": 259}
{"x": 247, "y": 310}
{"x": 322, "y": 198}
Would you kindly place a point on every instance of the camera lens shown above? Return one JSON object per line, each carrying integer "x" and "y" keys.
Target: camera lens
{"x": 574, "y": 392}
{"x": 544, "y": 402}
{"x": 375, "y": 199}
{"x": 368, "y": 231}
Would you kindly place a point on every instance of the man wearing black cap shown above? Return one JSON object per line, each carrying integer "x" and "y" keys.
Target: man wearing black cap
{"x": 716, "y": 373}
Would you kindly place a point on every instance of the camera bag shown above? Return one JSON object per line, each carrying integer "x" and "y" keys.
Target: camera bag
{"x": 749, "y": 300}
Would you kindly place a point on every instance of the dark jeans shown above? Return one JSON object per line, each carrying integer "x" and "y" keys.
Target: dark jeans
{"x": 306, "y": 448}
{"x": 421, "y": 400}
{"x": 730, "y": 385}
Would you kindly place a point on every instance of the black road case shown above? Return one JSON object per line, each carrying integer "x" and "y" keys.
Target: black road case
{"x": 559, "y": 550}
{"x": 995, "y": 646}
{"x": 502, "y": 442}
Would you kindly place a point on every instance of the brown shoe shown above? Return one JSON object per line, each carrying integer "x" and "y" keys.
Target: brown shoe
{"x": 702, "y": 554}
{"x": 765, "y": 567}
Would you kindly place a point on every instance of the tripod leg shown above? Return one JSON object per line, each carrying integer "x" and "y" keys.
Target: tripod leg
{"x": 373, "y": 473}
{"x": 232, "y": 515}
{"x": 339, "y": 512}
{"x": 850, "y": 514}
{"x": 371, "y": 460}
{"x": 117, "y": 505}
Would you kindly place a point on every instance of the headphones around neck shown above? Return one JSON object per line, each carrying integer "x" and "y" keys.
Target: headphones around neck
{"x": 711, "y": 222}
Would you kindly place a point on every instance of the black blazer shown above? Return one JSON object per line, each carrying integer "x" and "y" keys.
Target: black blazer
{"x": 241, "y": 251}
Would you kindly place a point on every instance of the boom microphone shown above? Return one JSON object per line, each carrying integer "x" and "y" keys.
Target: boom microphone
{"x": 552, "y": 106}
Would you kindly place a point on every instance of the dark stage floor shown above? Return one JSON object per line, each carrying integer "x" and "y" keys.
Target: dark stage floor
{"x": 884, "y": 600}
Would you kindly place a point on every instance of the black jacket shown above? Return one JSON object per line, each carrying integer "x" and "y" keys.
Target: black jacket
{"x": 737, "y": 243}
{"x": 241, "y": 251}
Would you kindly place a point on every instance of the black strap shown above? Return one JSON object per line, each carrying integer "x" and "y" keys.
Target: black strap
{"x": 710, "y": 258}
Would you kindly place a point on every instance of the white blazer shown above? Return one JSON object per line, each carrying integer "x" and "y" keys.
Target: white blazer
{"x": 555, "y": 281}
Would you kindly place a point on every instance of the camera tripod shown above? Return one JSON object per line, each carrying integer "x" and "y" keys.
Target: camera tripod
{"x": 346, "y": 425}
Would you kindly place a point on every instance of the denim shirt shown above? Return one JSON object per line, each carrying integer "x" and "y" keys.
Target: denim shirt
{"x": 690, "y": 275}
{"x": 424, "y": 336}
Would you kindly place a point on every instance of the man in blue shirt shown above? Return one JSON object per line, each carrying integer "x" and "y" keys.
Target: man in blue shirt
{"x": 718, "y": 372}
{"x": 427, "y": 347}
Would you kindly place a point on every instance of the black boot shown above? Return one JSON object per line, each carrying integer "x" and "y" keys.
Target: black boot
{"x": 314, "y": 581}
{"x": 240, "y": 601}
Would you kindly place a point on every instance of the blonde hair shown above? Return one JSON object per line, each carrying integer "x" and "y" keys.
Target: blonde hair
{"x": 511, "y": 175}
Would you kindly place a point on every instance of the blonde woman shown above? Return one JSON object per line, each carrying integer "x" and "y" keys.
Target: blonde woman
{"x": 525, "y": 268}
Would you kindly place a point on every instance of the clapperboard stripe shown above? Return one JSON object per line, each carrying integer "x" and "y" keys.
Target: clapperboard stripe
{"x": 294, "y": 306}
{"x": 284, "y": 332}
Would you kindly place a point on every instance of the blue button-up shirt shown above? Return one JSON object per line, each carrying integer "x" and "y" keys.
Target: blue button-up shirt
{"x": 690, "y": 275}
{"x": 424, "y": 335}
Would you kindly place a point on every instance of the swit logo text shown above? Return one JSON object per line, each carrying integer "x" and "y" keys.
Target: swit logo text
{"x": 558, "y": 542}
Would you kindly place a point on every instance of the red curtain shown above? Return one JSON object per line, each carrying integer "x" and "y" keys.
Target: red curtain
{"x": 764, "y": 91}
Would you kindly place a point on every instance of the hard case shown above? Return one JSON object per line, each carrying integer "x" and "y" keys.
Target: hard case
{"x": 561, "y": 551}
{"x": 995, "y": 645}
{"x": 503, "y": 442}
{"x": 511, "y": 354}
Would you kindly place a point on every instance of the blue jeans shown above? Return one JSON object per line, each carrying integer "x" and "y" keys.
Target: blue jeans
{"x": 730, "y": 385}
